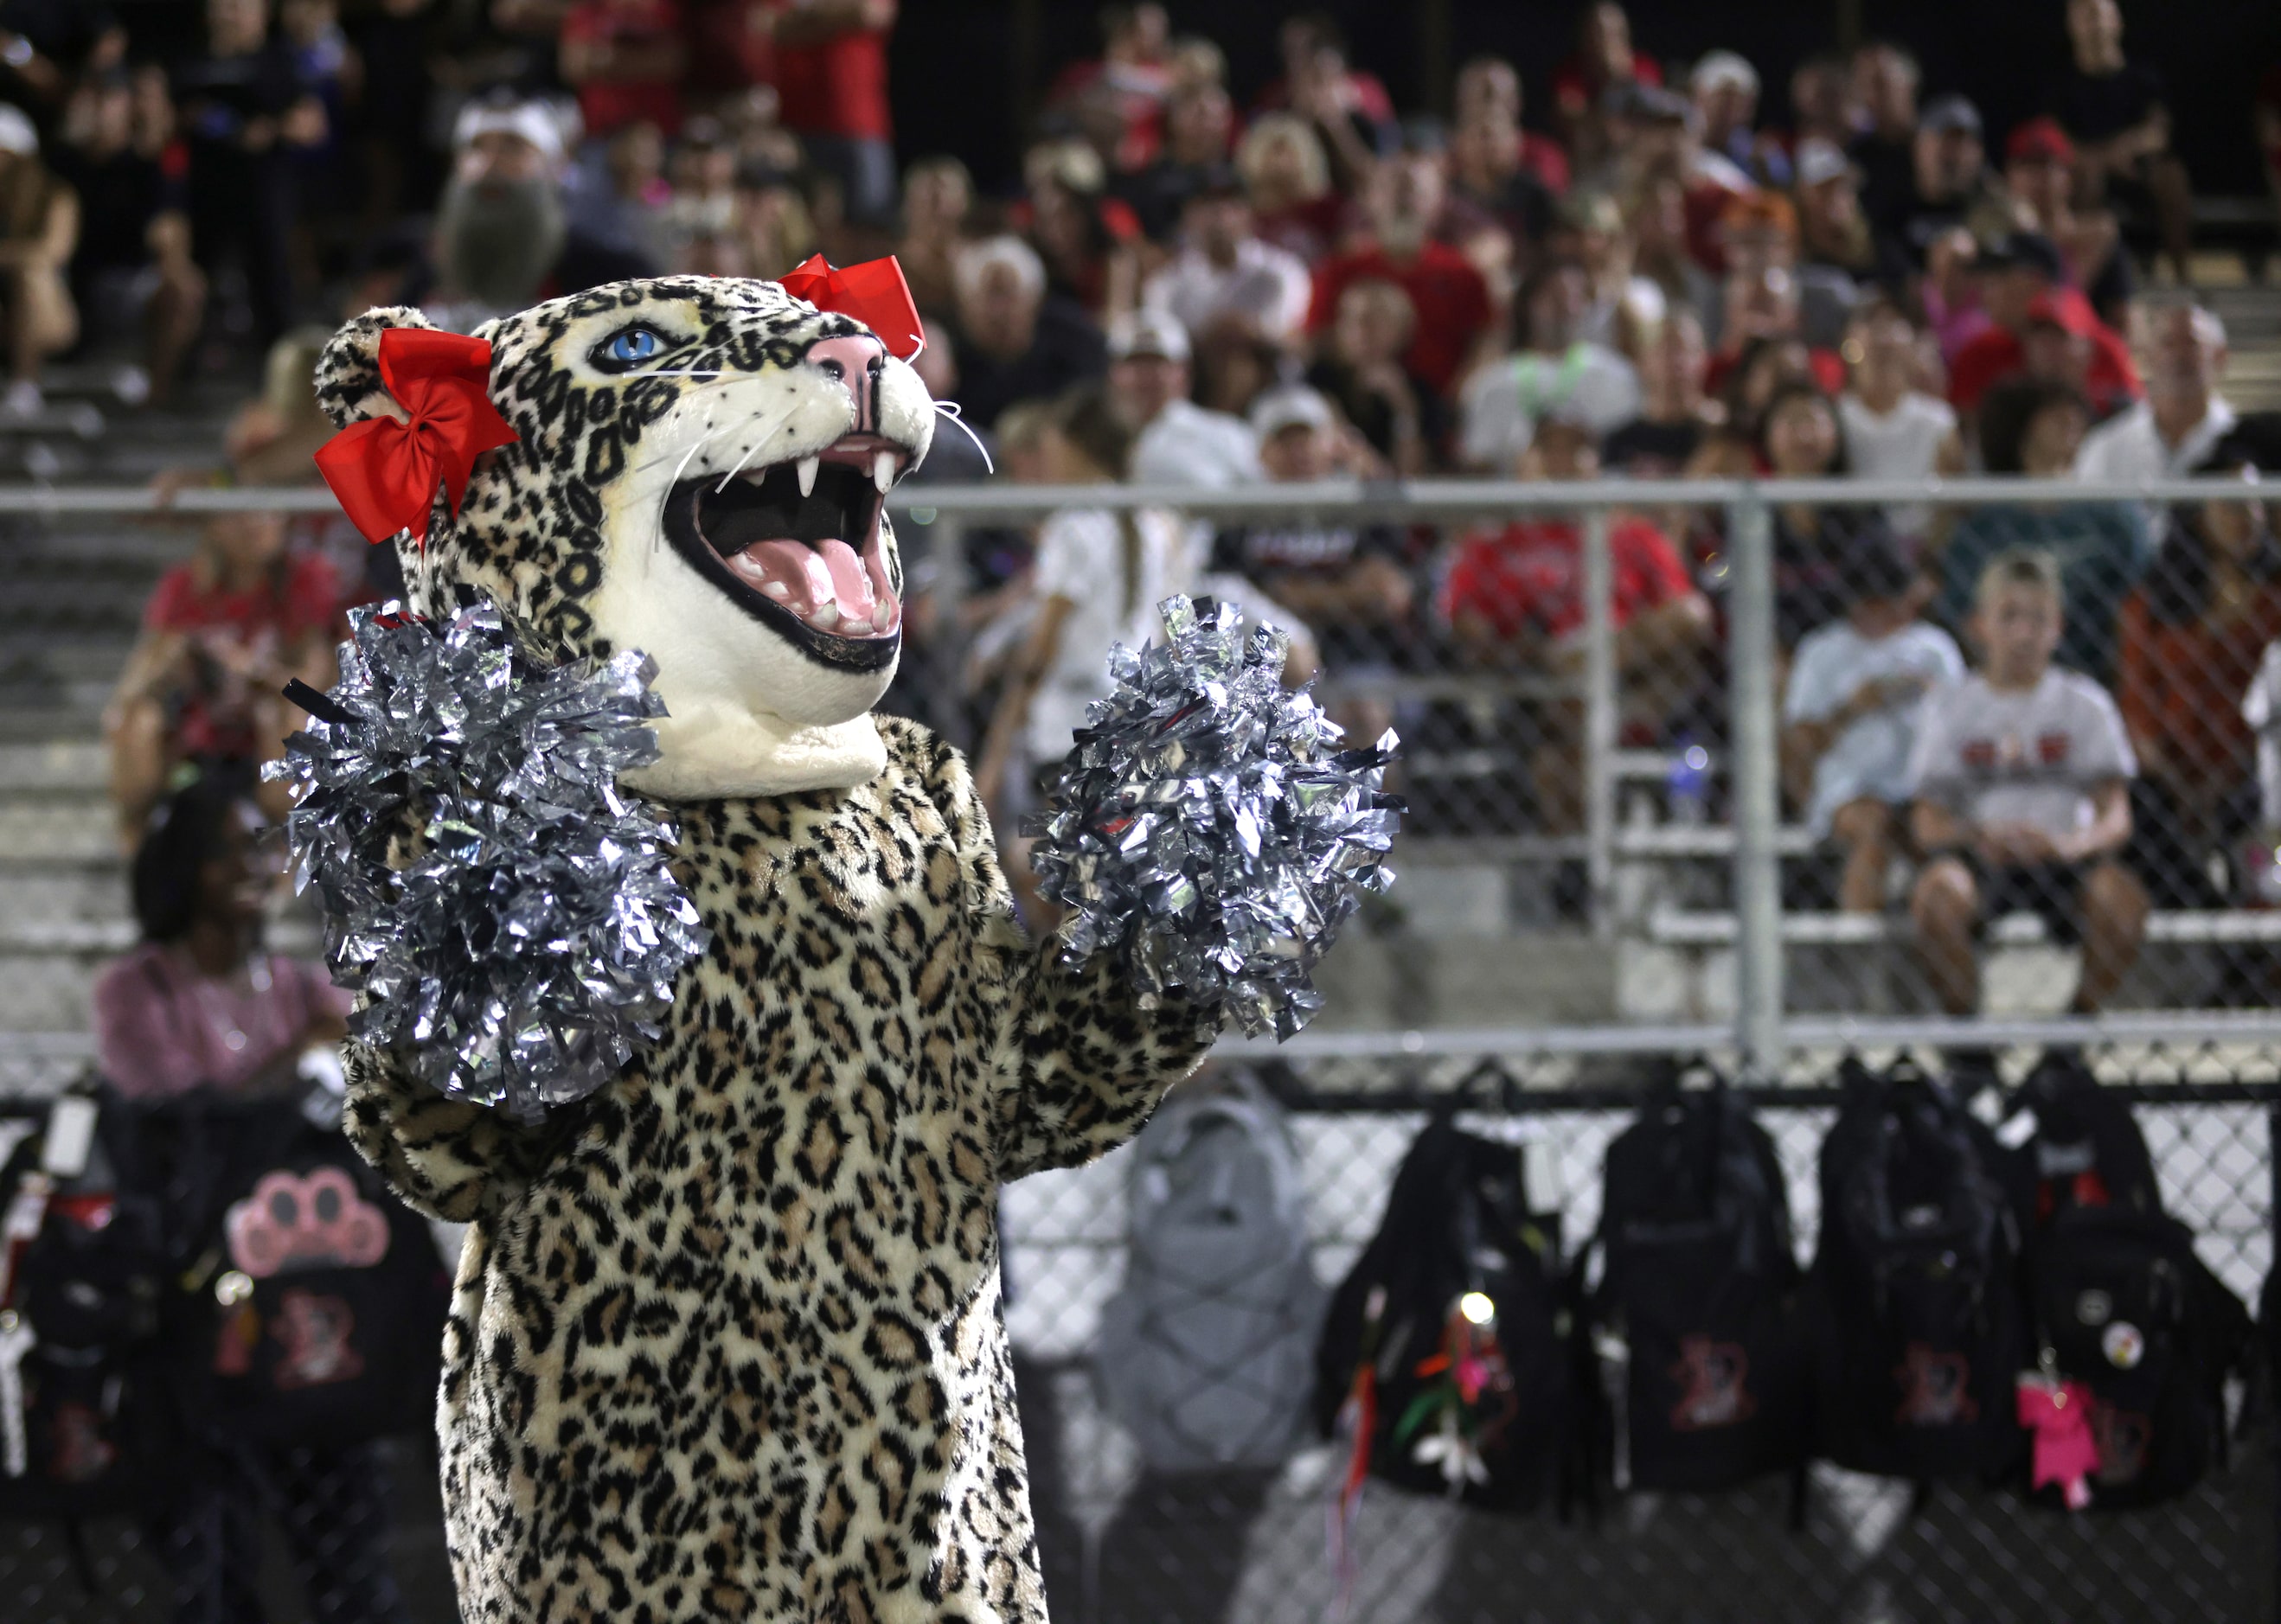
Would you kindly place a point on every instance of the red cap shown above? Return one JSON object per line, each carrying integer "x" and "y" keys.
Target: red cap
{"x": 2065, "y": 309}
{"x": 2039, "y": 138}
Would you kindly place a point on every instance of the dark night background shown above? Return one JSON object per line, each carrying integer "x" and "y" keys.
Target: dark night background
{"x": 966, "y": 71}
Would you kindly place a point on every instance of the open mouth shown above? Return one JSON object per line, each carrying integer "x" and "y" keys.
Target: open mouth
{"x": 796, "y": 545}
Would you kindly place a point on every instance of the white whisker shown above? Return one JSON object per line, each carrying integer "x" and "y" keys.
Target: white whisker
{"x": 759, "y": 441}
{"x": 949, "y": 409}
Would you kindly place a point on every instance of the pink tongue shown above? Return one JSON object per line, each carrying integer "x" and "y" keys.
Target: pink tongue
{"x": 828, "y": 573}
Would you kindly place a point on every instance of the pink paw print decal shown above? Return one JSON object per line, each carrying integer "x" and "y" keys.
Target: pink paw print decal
{"x": 312, "y": 1220}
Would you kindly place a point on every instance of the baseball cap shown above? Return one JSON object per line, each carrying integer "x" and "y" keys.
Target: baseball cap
{"x": 534, "y": 121}
{"x": 1290, "y": 405}
{"x": 1147, "y": 332}
{"x": 2026, "y": 251}
{"x": 2039, "y": 138}
{"x": 2062, "y": 308}
{"x": 1950, "y": 114}
{"x": 16, "y": 132}
{"x": 1724, "y": 68}
{"x": 1819, "y": 161}
{"x": 1650, "y": 103}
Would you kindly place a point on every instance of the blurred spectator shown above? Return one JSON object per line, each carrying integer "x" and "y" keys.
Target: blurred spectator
{"x": 1658, "y": 133}
{"x": 1118, "y": 101}
{"x": 1288, "y": 181}
{"x": 2035, "y": 427}
{"x": 244, "y": 111}
{"x": 938, "y": 197}
{"x": 221, "y": 635}
{"x": 1514, "y": 598}
{"x": 1823, "y": 106}
{"x": 1625, "y": 305}
{"x": 2193, "y": 637}
{"x": 39, "y": 229}
{"x": 1759, "y": 305}
{"x": 626, "y": 59}
{"x": 832, "y": 79}
{"x": 1449, "y": 296}
{"x": 2039, "y": 173}
{"x": 1085, "y": 237}
{"x": 1655, "y": 219}
{"x": 1491, "y": 183}
{"x": 1349, "y": 583}
{"x": 1851, "y": 710}
{"x": 47, "y": 47}
{"x": 2021, "y": 287}
{"x": 1725, "y": 89}
{"x": 503, "y": 235}
{"x": 1556, "y": 370}
{"x": 1894, "y": 430}
{"x": 618, "y": 193}
{"x": 2021, "y": 783}
{"x": 1199, "y": 125}
{"x": 133, "y": 273}
{"x": 1361, "y": 372}
{"x": 1758, "y": 241}
{"x": 1014, "y": 343}
{"x": 1175, "y": 441}
{"x": 1801, "y": 439}
{"x": 1885, "y": 77}
{"x": 695, "y": 226}
{"x": 1603, "y": 62}
{"x": 1832, "y": 230}
{"x": 1347, "y": 108}
{"x": 1488, "y": 95}
{"x": 1950, "y": 188}
{"x": 1225, "y": 273}
{"x": 2117, "y": 112}
{"x": 1233, "y": 366}
{"x": 1674, "y": 413}
{"x": 2183, "y": 417}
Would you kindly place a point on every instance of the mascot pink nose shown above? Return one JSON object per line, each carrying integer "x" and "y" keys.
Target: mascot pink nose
{"x": 854, "y": 364}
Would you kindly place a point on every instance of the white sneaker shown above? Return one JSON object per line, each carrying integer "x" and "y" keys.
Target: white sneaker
{"x": 23, "y": 399}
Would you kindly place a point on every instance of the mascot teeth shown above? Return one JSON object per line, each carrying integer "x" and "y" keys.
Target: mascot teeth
{"x": 883, "y": 471}
{"x": 807, "y": 467}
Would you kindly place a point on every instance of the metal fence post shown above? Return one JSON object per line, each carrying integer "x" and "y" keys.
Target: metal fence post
{"x": 1757, "y": 776}
{"x": 1601, "y": 712}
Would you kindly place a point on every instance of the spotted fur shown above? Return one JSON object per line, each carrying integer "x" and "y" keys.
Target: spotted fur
{"x": 727, "y": 1342}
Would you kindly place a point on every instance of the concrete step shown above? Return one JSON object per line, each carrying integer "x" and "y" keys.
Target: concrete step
{"x": 57, "y": 766}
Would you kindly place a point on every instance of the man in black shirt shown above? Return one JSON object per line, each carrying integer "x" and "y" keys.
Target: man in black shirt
{"x": 2114, "y": 111}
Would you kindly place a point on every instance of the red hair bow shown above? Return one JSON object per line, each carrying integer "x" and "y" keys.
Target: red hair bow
{"x": 874, "y": 293}
{"x": 384, "y": 472}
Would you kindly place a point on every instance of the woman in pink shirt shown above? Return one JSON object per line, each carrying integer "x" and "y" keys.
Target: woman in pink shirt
{"x": 198, "y": 1001}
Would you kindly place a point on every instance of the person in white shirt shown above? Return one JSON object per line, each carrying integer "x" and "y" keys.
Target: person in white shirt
{"x": 1857, "y": 692}
{"x": 1894, "y": 430}
{"x": 1177, "y": 442}
{"x": 1225, "y": 273}
{"x": 2021, "y": 778}
{"x": 1557, "y": 370}
{"x": 2183, "y": 417}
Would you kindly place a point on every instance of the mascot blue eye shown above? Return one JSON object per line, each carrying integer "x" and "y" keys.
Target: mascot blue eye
{"x": 629, "y": 348}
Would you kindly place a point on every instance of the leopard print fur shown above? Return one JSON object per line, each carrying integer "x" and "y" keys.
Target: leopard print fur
{"x": 727, "y": 1342}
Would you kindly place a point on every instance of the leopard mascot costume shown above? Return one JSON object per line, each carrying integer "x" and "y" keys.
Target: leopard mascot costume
{"x": 727, "y": 1342}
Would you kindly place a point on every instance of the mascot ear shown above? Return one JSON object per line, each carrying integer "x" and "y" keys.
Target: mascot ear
{"x": 348, "y": 373}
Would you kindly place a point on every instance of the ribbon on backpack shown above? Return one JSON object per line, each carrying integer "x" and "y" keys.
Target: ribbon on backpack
{"x": 384, "y": 472}
{"x": 873, "y": 292}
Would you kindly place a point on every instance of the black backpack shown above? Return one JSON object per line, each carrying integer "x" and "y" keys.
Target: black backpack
{"x": 2117, "y": 1297}
{"x": 1914, "y": 1288}
{"x": 311, "y": 1303}
{"x": 78, "y": 1319}
{"x": 1446, "y": 1331}
{"x": 1695, "y": 1332}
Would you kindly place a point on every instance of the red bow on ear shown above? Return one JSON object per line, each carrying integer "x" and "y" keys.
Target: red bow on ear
{"x": 874, "y": 293}
{"x": 384, "y": 472}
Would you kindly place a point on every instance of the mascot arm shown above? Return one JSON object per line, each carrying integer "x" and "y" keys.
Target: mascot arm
{"x": 446, "y": 1159}
{"x": 1079, "y": 1065}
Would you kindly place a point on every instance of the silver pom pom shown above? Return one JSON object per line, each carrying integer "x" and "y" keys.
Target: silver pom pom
{"x": 1207, "y": 827}
{"x": 505, "y": 908}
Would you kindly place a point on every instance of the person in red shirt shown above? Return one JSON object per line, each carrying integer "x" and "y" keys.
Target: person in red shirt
{"x": 1455, "y": 320}
{"x": 625, "y": 59}
{"x": 832, "y": 82}
{"x": 1488, "y": 92}
{"x": 221, "y": 635}
{"x": 1603, "y": 60}
{"x": 1515, "y": 600}
{"x": 2022, "y": 290}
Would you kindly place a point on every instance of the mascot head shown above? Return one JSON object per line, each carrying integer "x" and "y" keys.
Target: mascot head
{"x": 701, "y": 472}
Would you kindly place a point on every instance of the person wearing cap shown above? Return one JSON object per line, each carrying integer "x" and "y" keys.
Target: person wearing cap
{"x": 1223, "y": 272}
{"x": 1832, "y": 229}
{"x": 1456, "y": 318}
{"x": 2117, "y": 112}
{"x": 1851, "y": 706}
{"x": 1950, "y": 187}
{"x": 2184, "y": 415}
{"x": 1556, "y": 370}
{"x": 1725, "y": 89}
{"x": 39, "y": 228}
{"x": 2022, "y": 285}
{"x": 1176, "y": 442}
{"x": 1016, "y": 342}
{"x": 1514, "y": 598}
{"x": 2039, "y": 171}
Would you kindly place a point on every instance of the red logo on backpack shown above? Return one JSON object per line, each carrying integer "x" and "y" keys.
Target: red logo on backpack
{"x": 1936, "y": 1388}
{"x": 1712, "y": 1394}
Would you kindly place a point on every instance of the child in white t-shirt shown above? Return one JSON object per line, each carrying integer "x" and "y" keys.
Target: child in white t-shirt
{"x": 1857, "y": 691}
{"x": 2022, "y": 775}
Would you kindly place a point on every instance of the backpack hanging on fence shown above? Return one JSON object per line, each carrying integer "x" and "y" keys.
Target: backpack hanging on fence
{"x": 1441, "y": 1361}
{"x": 84, "y": 1428}
{"x": 314, "y": 1304}
{"x": 1695, "y": 1335}
{"x": 1914, "y": 1289}
{"x": 1205, "y": 1353}
{"x": 2117, "y": 1294}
